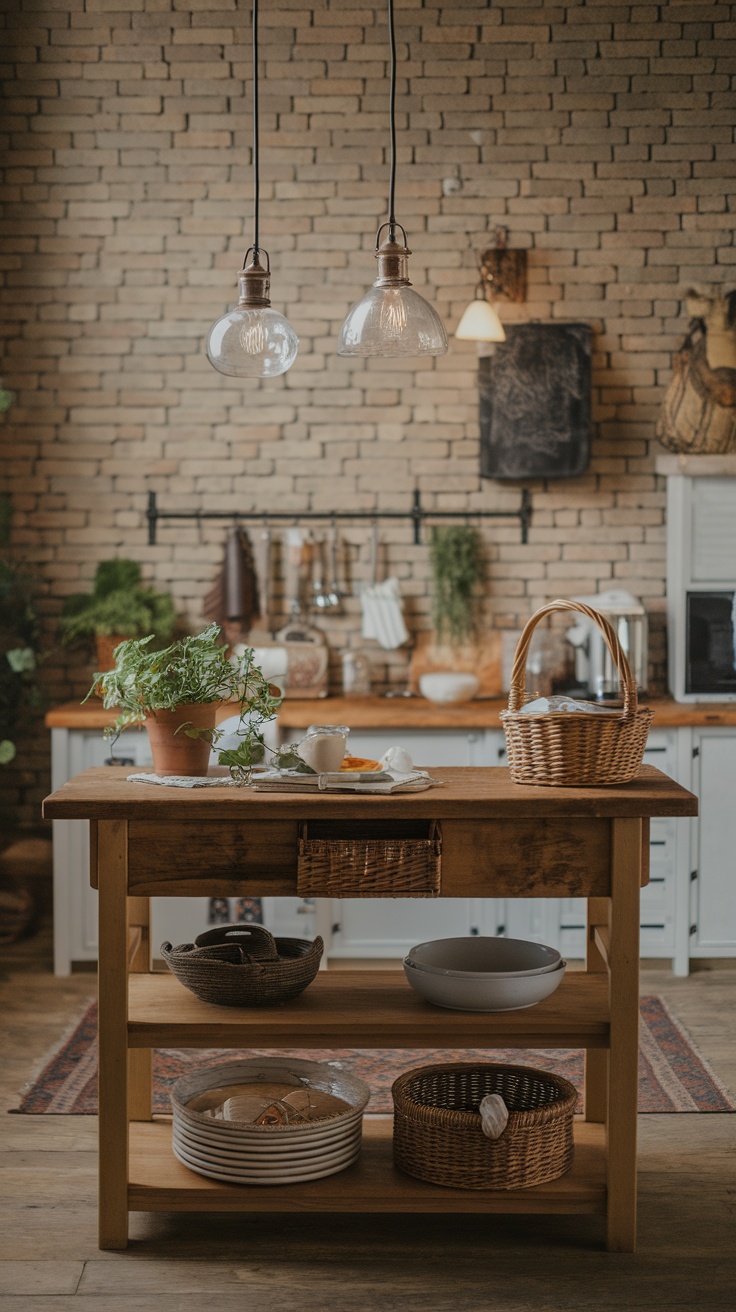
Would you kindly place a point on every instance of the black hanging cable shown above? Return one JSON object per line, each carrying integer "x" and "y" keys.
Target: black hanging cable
{"x": 256, "y": 169}
{"x": 392, "y": 118}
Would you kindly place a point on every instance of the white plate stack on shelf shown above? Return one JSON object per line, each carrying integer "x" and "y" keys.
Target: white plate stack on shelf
{"x": 268, "y": 1120}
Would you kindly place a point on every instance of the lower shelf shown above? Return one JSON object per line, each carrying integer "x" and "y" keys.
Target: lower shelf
{"x": 159, "y": 1183}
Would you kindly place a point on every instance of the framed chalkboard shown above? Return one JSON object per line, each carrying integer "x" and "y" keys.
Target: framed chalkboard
{"x": 535, "y": 402}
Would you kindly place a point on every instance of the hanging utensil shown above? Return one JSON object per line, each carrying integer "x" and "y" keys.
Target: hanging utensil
{"x": 320, "y": 596}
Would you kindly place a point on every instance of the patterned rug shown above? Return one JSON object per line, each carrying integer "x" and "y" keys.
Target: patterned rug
{"x": 673, "y": 1077}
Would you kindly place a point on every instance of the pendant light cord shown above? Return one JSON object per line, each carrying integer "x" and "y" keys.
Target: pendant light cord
{"x": 256, "y": 165}
{"x": 392, "y": 119}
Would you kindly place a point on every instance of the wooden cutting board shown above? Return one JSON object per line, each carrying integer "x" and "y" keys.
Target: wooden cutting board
{"x": 482, "y": 658}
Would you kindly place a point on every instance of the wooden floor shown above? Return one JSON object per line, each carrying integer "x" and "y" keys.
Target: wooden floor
{"x": 185, "y": 1263}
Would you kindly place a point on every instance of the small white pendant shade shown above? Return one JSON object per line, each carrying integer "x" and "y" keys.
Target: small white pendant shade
{"x": 480, "y": 323}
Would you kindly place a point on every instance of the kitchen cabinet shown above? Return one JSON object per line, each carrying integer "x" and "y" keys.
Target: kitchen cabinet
{"x": 672, "y": 905}
{"x": 713, "y": 879}
{"x": 143, "y": 845}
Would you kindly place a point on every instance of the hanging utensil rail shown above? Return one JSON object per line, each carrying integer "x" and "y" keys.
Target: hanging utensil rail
{"x": 416, "y": 515}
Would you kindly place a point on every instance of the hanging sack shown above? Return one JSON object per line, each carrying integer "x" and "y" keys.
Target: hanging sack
{"x": 699, "y": 409}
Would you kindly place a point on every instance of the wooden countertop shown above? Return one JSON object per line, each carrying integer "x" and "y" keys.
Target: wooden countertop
{"x": 404, "y": 713}
{"x": 465, "y": 792}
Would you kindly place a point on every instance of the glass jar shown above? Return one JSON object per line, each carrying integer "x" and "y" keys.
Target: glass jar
{"x": 323, "y": 747}
{"x": 356, "y": 675}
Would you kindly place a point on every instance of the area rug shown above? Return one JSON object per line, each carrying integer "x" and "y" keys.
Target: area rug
{"x": 673, "y": 1077}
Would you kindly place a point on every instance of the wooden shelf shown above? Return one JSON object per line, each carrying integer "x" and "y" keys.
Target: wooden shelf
{"x": 159, "y": 1183}
{"x": 365, "y": 1009}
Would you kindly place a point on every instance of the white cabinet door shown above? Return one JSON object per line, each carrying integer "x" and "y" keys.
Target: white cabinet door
{"x": 715, "y": 885}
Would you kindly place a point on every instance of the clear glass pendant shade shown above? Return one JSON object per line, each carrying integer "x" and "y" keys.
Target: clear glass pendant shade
{"x": 392, "y": 319}
{"x": 252, "y": 344}
{"x": 480, "y": 323}
{"x": 252, "y": 340}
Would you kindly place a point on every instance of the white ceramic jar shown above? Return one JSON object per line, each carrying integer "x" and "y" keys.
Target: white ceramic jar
{"x": 323, "y": 747}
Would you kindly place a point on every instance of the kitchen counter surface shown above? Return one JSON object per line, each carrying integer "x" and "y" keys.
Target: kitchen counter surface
{"x": 404, "y": 713}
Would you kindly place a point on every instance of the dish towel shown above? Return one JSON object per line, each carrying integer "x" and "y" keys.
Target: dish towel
{"x": 383, "y": 617}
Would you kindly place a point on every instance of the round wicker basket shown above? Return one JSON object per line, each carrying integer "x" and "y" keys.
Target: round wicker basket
{"x": 244, "y": 966}
{"x": 580, "y": 749}
{"x": 438, "y": 1135}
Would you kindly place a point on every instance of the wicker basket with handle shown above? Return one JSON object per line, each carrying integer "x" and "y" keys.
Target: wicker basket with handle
{"x": 438, "y": 1135}
{"x": 369, "y": 867}
{"x": 568, "y": 749}
{"x": 244, "y": 966}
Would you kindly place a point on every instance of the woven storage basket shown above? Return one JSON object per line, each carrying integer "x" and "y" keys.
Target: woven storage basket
{"x": 580, "y": 749}
{"x": 370, "y": 867}
{"x": 438, "y": 1135}
{"x": 244, "y": 966}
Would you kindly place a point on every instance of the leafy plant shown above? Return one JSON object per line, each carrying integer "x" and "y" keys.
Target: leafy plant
{"x": 192, "y": 671}
{"x": 119, "y": 605}
{"x": 19, "y": 643}
{"x": 457, "y": 569}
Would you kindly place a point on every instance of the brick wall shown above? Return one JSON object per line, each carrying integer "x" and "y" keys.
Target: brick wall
{"x": 600, "y": 134}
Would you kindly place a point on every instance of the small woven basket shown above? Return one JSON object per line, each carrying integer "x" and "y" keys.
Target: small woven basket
{"x": 244, "y": 966}
{"x": 370, "y": 867}
{"x": 569, "y": 749}
{"x": 438, "y": 1136}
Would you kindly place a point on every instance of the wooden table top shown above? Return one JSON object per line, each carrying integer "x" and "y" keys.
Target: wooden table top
{"x": 402, "y": 713}
{"x": 464, "y": 792}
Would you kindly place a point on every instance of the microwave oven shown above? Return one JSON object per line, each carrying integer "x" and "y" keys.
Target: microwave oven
{"x": 708, "y": 663}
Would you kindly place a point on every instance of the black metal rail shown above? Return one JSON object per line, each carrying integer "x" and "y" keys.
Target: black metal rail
{"x": 416, "y": 515}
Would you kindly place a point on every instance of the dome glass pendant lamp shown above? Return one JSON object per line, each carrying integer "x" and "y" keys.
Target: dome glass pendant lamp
{"x": 392, "y": 320}
{"x": 252, "y": 340}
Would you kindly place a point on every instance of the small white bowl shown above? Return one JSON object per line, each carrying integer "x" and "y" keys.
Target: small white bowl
{"x": 476, "y": 955}
{"x": 448, "y": 688}
{"x": 483, "y": 992}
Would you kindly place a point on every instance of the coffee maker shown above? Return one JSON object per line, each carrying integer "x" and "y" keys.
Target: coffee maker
{"x": 594, "y": 667}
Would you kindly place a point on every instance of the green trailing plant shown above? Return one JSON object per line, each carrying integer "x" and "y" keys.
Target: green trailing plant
{"x": 457, "y": 570}
{"x": 118, "y": 605}
{"x": 193, "y": 671}
{"x": 19, "y": 643}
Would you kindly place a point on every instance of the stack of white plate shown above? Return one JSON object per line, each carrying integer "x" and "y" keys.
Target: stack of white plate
{"x": 241, "y": 1152}
{"x": 484, "y": 974}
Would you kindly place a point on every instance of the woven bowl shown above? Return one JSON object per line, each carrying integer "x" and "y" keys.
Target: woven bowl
{"x": 244, "y": 966}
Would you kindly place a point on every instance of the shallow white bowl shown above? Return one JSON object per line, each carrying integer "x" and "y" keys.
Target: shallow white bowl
{"x": 475, "y": 954}
{"x": 449, "y": 688}
{"x": 483, "y": 992}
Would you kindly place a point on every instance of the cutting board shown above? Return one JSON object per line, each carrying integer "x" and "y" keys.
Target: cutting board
{"x": 482, "y": 658}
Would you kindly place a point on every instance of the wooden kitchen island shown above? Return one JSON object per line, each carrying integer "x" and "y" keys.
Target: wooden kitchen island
{"x": 498, "y": 839}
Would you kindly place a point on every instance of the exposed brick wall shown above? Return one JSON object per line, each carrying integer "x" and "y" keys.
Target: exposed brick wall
{"x": 599, "y": 133}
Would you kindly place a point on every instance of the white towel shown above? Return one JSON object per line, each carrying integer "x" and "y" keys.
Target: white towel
{"x": 383, "y": 617}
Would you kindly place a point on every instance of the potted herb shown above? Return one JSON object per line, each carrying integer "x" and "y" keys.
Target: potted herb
{"x": 118, "y": 607}
{"x": 456, "y": 648}
{"x": 175, "y": 693}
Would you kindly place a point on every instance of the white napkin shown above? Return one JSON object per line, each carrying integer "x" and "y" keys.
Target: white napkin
{"x": 183, "y": 781}
{"x": 383, "y": 617}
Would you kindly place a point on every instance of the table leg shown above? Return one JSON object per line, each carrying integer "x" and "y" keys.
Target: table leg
{"x": 596, "y": 1059}
{"x": 139, "y": 962}
{"x": 624, "y": 1050}
{"x": 113, "y": 1033}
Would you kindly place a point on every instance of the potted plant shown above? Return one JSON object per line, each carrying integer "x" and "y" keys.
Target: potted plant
{"x": 175, "y": 693}
{"x": 19, "y": 643}
{"x": 454, "y": 648}
{"x": 118, "y": 607}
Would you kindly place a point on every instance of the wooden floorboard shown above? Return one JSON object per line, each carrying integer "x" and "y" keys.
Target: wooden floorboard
{"x": 326, "y": 1263}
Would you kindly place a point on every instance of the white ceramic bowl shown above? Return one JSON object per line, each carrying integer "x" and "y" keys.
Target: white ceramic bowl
{"x": 490, "y": 957}
{"x": 483, "y": 992}
{"x": 449, "y": 688}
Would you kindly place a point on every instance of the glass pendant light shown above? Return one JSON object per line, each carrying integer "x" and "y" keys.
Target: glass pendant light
{"x": 252, "y": 340}
{"x": 392, "y": 319}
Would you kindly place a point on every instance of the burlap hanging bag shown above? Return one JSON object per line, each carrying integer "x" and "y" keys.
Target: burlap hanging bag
{"x": 699, "y": 409}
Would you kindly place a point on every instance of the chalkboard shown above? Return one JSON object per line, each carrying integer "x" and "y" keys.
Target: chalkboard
{"x": 535, "y": 402}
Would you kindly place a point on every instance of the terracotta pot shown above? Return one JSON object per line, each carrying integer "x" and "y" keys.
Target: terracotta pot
{"x": 175, "y": 753}
{"x": 106, "y": 644}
